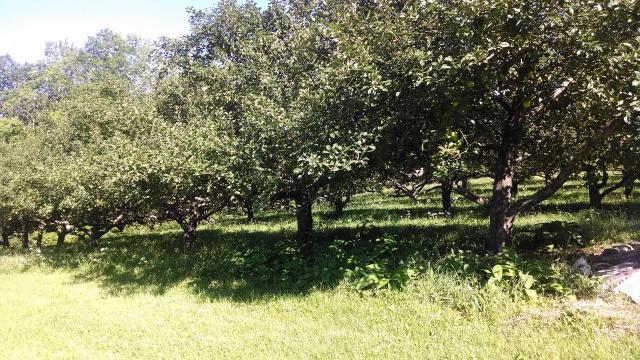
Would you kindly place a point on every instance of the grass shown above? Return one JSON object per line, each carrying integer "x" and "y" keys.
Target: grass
{"x": 138, "y": 296}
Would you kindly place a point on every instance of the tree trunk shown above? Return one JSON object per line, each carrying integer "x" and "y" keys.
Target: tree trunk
{"x": 39, "y": 236}
{"x": 250, "y": 214}
{"x": 446, "y": 188}
{"x": 95, "y": 234}
{"x": 188, "y": 234}
{"x": 514, "y": 187}
{"x": 25, "y": 237}
{"x": 62, "y": 234}
{"x": 500, "y": 230}
{"x": 5, "y": 239}
{"x": 248, "y": 208}
{"x": 628, "y": 189}
{"x": 628, "y": 184}
{"x": 500, "y": 217}
{"x": 304, "y": 220}
{"x": 339, "y": 204}
{"x": 595, "y": 200}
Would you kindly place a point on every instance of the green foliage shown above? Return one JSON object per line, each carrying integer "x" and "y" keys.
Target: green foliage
{"x": 521, "y": 277}
{"x": 557, "y": 234}
{"x": 9, "y": 129}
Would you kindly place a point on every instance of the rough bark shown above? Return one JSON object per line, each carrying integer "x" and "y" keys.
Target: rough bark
{"x": 250, "y": 214}
{"x": 502, "y": 211}
{"x": 629, "y": 179}
{"x": 500, "y": 218}
{"x": 597, "y": 187}
{"x": 461, "y": 189}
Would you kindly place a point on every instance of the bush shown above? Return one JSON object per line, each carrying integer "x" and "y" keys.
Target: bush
{"x": 522, "y": 278}
{"x": 371, "y": 261}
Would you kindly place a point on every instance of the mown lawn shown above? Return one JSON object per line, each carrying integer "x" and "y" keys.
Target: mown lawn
{"x": 139, "y": 296}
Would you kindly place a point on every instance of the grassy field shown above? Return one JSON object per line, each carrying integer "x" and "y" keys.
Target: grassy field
{"x": 139, "y": 296}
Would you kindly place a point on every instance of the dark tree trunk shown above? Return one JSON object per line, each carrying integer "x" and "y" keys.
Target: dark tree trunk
{"x": 94, "y": 239}
{"x": 95, "y": 234}
{"x": 304, "y": 218}
{"x": 628, "y": 189}
{"x": 339, "y": 203}
{"x": 500, "y": 230}
{"x": 188, "y": 234}
{"x": 501, "y": 219}
{"x": 338, "y": 208}
{"x": 628, "y": 183}
{"x": 446, "y": 189}
{"x": 39, "y": 236}
{"x": 248, "y": 208}
{"x": 25, "y": 237}
{"x": 514, "y": 187}
{"x": 62, "y": 235}
{"x": 5, "y": 239}
{"x": 595, "y": 200}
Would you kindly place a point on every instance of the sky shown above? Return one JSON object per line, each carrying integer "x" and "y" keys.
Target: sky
{"x": 25, "y": 25}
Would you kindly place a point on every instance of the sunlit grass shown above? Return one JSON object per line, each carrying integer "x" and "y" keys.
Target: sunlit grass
{"x": 139, "y": 296}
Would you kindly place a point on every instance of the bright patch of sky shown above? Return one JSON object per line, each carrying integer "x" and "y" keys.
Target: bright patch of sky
{"x": 26, "y": 25}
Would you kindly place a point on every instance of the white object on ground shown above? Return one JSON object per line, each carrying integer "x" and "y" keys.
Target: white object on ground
{"x": 631, "y": 287}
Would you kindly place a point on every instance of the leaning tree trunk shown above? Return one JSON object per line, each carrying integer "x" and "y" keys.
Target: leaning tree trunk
{"x": 304, "y": 219}
{"x": 5, "y": 239}
{"x": 446, "y": 189}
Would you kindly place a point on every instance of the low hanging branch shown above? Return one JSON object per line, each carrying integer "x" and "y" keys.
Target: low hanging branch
{"x": 467, "y": 194}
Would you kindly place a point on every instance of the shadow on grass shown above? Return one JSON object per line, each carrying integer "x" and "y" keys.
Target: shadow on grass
{"x": 248, "y": 265}
{"x": 244, "y": 266}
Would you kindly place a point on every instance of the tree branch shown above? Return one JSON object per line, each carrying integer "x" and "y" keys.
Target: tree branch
{"x": 552, "y": 97}
{"x": 616, "y": 186}
{"x": 564, "y": 175}
{"x": 502, "y": 101}
{"x": 470, "y": 196}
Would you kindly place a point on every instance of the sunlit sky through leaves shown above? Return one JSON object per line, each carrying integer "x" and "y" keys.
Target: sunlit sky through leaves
{"x": 26, "y": 25}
